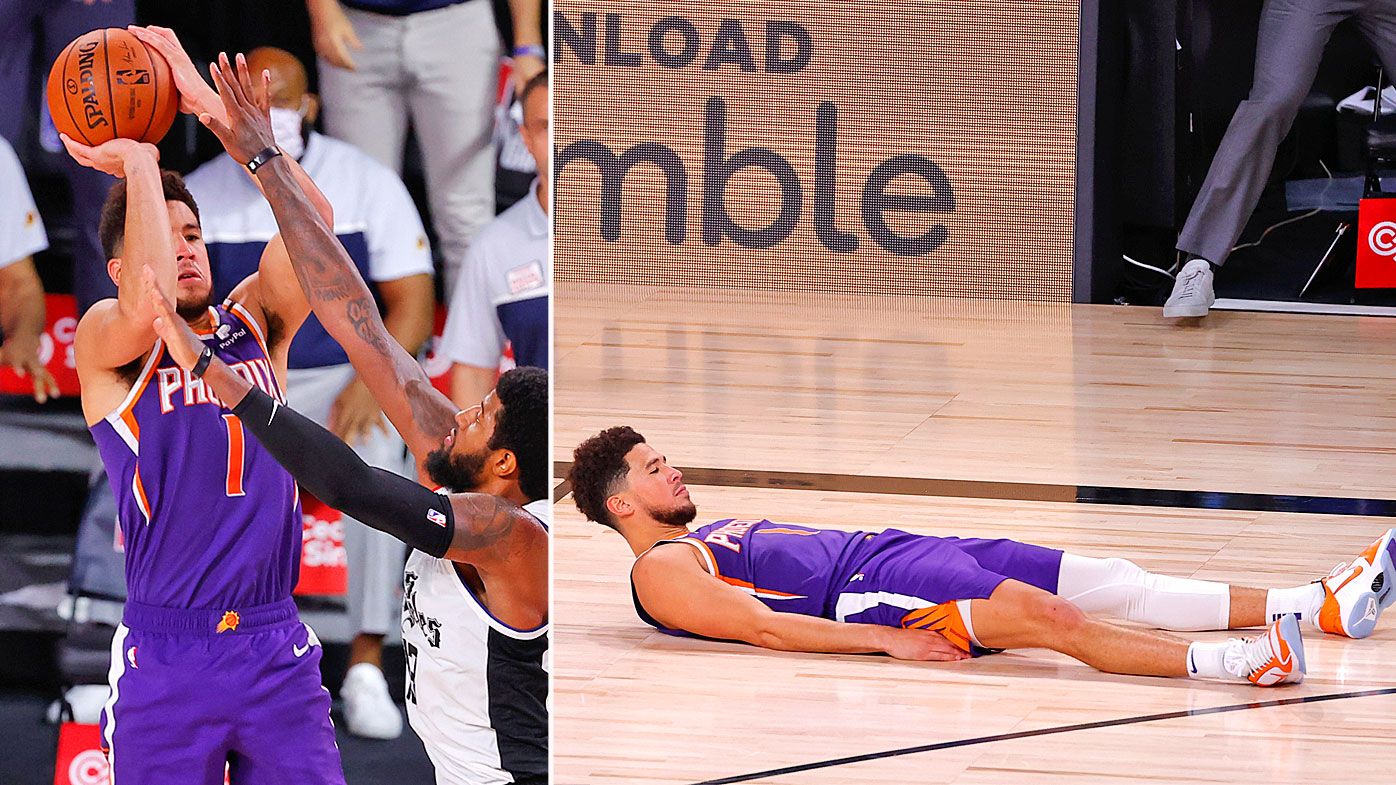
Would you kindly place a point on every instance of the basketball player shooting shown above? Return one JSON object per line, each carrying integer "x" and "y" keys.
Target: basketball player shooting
{"x": 476, "y": 585}
{"x": 211, "y": 666}
{"x": 796, "y": 588}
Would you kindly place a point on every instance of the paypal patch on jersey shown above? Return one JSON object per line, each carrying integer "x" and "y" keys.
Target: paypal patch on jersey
{"x": 374, "y": 218}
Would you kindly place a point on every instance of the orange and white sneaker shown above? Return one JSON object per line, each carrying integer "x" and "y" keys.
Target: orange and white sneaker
{"x": 1356, "y": 592}
{"x": 1273, "y": 657}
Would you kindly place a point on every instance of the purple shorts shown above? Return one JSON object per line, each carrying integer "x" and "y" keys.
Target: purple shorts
{"x": 186, "y": 699}
{"x": 904, "y": 572}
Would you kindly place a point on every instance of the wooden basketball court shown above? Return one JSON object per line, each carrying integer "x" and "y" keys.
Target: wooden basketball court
{"x": 1253, "y": 448}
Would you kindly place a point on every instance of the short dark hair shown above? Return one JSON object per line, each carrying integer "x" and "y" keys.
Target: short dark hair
{"x": 522, "y": 427}
{"x": 534, "y": 82}
{"x": 598, "y": 464}
{"x": 111, "y": 229}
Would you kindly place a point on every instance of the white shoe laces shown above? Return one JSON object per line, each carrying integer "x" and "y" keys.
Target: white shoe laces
{"x": 1245, "y": 656}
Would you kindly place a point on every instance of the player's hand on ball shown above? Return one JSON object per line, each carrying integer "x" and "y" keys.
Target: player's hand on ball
{"x": 923, "y": 645}
{"x": 110, "y": 156}
{"x": 247, "y": 102}
{"x": 195, "y": 95}
{"x": 184, "y": 346}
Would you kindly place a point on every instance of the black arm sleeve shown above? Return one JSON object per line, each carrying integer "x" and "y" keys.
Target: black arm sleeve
{"x": 328, "y": 468}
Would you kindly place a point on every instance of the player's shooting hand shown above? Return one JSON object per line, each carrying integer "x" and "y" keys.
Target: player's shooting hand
{"x": 247, "y": 102}
{"x": 355, "y": 415}
{"x": 333, "y": 34}
{"x": 195, "y": 95}
{"x": 21, "y": 353}
{"x": 923, "y": 646}
{"x": 110, "y": 156}
{"x": 184, "y": 346}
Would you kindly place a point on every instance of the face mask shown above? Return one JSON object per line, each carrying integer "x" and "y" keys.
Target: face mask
{"x": 286, "y": 127}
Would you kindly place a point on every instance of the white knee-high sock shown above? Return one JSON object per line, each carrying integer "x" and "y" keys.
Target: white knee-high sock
{"x": 1119, "y": 588}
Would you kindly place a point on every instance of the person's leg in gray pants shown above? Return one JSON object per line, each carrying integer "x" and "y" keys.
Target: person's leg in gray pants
{"x": 1290, "y": 45}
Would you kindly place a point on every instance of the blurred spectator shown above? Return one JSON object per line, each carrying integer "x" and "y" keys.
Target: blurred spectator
{"x": 379, "y": 226}
{"x": 530, "y": 54}
{"x": 432, "y": 65}
{"x": 21, "y": 294}
{"x": 34, "y": 32}
{"x": 504, "y": 287}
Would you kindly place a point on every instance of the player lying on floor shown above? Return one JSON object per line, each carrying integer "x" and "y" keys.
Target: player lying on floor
{"x": 796, "y": 588}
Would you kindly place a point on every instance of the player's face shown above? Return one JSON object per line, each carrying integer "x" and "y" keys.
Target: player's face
{"x": 459, "y": 463}
{"x": 194, "y": 282}
{"x": 657, "y": 488}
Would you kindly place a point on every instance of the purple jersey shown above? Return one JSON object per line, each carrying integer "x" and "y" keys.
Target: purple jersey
{"x": 891, "y": 578}
{"x": 792, "y": 569}
{"x": 209, "y": 518}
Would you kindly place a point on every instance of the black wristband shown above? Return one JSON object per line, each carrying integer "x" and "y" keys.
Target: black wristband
{"x": 260, "y": 159}
{"x": 201, "y": 366}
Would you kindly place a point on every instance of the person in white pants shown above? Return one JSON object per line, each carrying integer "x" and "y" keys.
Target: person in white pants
{"x": 21, "y": 293}
{"x": 378, "y": 225}
{"x": 432, "y": 65}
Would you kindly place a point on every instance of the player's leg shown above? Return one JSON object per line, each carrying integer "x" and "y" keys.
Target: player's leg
{"x": 284, "y": 732}
{"x": 454, "y": 58}
{"x": 367, "y": 107}
{"x": 164, "y": 722}
{"x": 1017, "y": 615}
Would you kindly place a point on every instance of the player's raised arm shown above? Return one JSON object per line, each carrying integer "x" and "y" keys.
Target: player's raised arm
{"x": 332, "y": 284}
{"x": 121, "y": 328}
{"x": 681, "y": 595}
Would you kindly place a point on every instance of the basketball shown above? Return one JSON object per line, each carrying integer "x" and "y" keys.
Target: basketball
{"x": 107, "y": 84}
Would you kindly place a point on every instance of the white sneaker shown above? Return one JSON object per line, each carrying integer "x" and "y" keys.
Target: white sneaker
{"x": 1192, "y": 291}
{"x": 86, "y": 701}
{"x": 1276, "y": 656}
{"x": 369, "y": 710}
{"x": 1356, "y": 592}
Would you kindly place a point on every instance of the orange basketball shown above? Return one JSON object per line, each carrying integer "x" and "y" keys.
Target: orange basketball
{"x": 107, "y": 84}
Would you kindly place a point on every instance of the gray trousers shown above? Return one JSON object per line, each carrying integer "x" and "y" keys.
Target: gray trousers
{"x": 1292, "y": 36}
{"x": 375, "y": 559}
{"x": 437, "y": 72}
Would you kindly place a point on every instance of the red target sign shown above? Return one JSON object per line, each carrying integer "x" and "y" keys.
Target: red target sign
{"x": 1376, "y": 244}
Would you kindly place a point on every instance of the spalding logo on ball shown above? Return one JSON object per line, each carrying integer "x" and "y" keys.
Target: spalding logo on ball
{"x": 107, "y": 84}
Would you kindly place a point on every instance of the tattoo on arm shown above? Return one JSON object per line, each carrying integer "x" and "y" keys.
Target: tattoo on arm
{"x": 483, "y": 524}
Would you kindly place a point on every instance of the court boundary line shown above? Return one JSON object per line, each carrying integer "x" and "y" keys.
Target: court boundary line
{"x": 1020, "y": 491}
{"x": 1050, "y": 731}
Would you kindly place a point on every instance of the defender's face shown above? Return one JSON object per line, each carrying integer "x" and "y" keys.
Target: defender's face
{"x": 474, "y": 428}
{"x": 194, "y": 282}
{"x": 657, "y": 488}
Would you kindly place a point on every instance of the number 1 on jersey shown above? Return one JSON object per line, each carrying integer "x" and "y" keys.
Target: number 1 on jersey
{"x": 235, "y": 454}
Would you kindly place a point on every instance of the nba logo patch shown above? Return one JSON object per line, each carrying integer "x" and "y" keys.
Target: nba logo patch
{"x": 437, "y": 518}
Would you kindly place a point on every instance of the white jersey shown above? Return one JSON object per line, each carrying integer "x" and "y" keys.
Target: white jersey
{"x": 476, "y": 688}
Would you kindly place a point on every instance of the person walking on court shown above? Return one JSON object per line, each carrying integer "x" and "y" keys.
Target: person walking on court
{"x": 797, "y": 588}
{"x": 1290, "y": 45}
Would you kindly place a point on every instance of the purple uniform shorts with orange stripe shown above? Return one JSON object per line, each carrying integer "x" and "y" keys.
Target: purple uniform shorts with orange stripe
{"x": 186, "y": 699}
{"x": 906, "y": 573}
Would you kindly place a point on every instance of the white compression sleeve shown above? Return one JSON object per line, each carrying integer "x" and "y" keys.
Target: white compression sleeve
{"x": 1120, "y": 588}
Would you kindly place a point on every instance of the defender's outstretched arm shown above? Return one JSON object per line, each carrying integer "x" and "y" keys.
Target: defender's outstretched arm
{"x": 336, "y": 292}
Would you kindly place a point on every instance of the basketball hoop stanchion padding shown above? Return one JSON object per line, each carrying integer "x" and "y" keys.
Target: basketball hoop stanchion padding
{"x": 324, "y": 563}
{"x": 1376, "y": 243}
{"x": 55, "y": 349}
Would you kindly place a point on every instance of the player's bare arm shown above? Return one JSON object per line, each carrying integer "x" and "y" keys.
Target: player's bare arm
{"x": 117, "y": 331}
{"x": 336, "y": 292}
{"x": 677, "y": 591}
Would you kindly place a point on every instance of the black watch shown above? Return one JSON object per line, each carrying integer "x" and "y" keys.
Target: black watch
{"x": 260, "y": 159}
{"x": 201, "y": 366}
